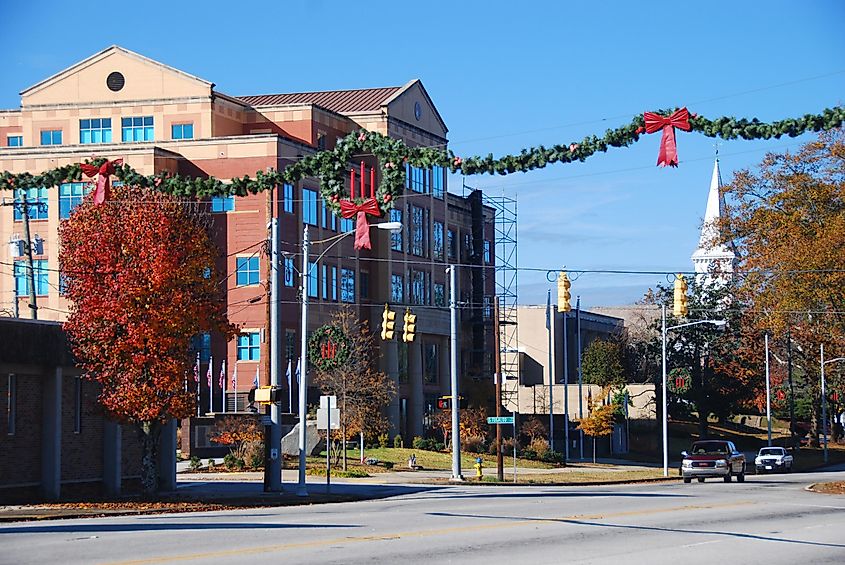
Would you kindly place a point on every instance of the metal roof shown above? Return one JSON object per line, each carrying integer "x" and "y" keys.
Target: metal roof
{"x": 340, "y": 101}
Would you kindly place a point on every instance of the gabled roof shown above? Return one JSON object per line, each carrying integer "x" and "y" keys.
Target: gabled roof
{"x": 104, "y": 53}
{"x": 340, "y": 101}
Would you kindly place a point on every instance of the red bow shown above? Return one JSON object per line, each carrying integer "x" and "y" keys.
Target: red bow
{"x": 101, "y": 193}
{"x": 668, "y": 150}
{"x": 349, "y": 209}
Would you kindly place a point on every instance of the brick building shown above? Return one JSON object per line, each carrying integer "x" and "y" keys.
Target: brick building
{"x": 119, "y": 104}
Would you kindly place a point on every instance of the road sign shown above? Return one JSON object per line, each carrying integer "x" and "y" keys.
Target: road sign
{"x": 328, "y": 402}
{"x": 323, "y": 417}
{"x": 500, "y": 420}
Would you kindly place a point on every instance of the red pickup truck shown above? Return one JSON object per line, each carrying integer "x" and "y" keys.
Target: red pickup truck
{"x": 713, "y": 458}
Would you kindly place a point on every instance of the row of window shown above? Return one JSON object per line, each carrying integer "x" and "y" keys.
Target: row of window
{"x": 99, "y": 130}
{"x": 70, "y": 196}
{"x": 424, "y": 181}
{"x": 323, "y": 276}
{"x": 419, "y": 290}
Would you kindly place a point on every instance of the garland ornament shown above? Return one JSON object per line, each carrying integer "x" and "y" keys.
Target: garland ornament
{"x": 668, "y": 154}
{"x": 104, "y": 172}
{"x": 352, "y": 209}
{"x": 328, "y": 348}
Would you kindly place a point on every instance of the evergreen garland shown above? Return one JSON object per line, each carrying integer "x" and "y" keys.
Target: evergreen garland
{"x": 679, "y": 380}
{"x": 328, "y": 334}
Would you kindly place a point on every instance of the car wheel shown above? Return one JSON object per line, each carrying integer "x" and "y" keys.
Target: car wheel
{"x": 727, "y": 478}
{"x": 700, "y": 479}
{"x": 740, "y": 478}
{"x": 687, "y": 479}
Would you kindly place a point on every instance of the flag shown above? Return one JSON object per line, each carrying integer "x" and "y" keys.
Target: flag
{"x": 197, "y": 369}
{"x": 235, "y": 378}
{"x": 289, "y": 373}
{"x": 208, "y": 375}
{"x": 255, "y": 380}
{"x": 221, "y": 381}
{"x": 297, "y": 373}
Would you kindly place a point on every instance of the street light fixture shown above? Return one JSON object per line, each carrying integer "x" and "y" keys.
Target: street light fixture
{"x": 718, "y": 324}
{"x": 303, "y": 363}
{"x": 824, "y": 396}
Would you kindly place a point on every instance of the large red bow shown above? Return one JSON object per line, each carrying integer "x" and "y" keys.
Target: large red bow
{"x": 349, "y": 209}
{"x": 101, "y": 193}
{"x": 668, "y": 150}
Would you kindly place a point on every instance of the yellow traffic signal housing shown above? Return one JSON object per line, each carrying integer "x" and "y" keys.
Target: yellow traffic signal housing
{"x": 680, "y": 302}
{"x": 388, "y": 322}
{"x": 410, "y": 326}
{"x": 564, "y": 298}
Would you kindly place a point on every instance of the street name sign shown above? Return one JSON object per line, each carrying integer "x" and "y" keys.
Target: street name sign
{"x": 500, "y": 420}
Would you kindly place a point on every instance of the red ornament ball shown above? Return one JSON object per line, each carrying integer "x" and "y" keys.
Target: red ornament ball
{"x": 640, "y": 130}
{"x": 387, "y": 198}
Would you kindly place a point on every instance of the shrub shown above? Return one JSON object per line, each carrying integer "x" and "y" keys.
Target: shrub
{"x": 195, "y": 463}
{"x": 537, "y": 449}
{"x": 211, "y": 463}
{"x": 419, "y": 443}
{"x": 397, "y": 441}
{"x": 383, "y": 440}
{"x": 237, "y": 432}
{"x": 473, "y": 444}
{"x": 255, "y": 455}
{"x": 388, "y": 464}
{"x": 233, "y": 463}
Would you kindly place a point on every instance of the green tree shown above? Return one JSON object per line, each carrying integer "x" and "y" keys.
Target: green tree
{"x": 602, "y": 363}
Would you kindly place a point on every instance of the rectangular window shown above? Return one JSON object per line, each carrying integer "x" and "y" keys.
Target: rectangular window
{"x": 22, "y": 278}
{"x": 321, "y": 141}
{"x": 334, "y": 284}
{"x": 418, "y": 231}
{"x": 77, "y": 405}
{"x": 312, "y": 280}
{"x": 440, "y": 294}
{"x": 347, "y": 286}
{"x": 437, "y": 241}
{"x": 431, "y": 364}
{"x": 486, "y": 250}
{"x": 11, "y": 403}
{"x": 182, "y": 131}
{"x": 62, "y": 284}
{"x": 452, "y": 245}
{"x": 396, "y": 236}
{"x": 365, "y": 284}
{"x": 309, "y": 206}
{"x": 325, "y": 273}
{"x": 222, "y": 203}
{"x": 70, "y": 196}
{"x": 95, "y": 130}
{"x": 397, "y": 288}
{"x": 487, "y": 312}
{"x": 14, "y": 141}
{"x": 418, "y": 287}
{"x": 201, "y": 343}
{"x": 289, "y": 270}
{"x": 137, "y": 128}
{"x": 249, "y": 346}
{"x": 417, "y": 178}
{"x": 327, "y": 216}
{"x": 247, "y": 271}
{"x": 438, "y": 181}
{"x": 346, "y": 224}
{"x": 36, "y": 203}
{"x": 290, "y": 346}
{"x": 287, "y": 197}
{"x": 51, "y": 137}
{"x": 468, "y": 247}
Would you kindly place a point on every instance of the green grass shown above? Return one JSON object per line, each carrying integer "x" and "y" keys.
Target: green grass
{"x": 442, "y": 460}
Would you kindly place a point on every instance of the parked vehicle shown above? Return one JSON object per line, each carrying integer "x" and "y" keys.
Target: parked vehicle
{"x": 773, "y": 459}
{"x": 713, "y": 458}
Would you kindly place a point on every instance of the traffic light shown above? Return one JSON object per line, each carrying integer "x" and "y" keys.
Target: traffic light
{"x": 445, "y": 403}
{"x": 563, "y": 295}
{"x": 388, "y": 322}
{"x": 410, "y": 326}
{"x": 267, "y": 395}
{"x": 680, "y": 303}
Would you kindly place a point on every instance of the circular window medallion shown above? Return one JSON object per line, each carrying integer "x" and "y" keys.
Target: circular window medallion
{"x": 115, "y": 81}
{"x": 417, "y": 111}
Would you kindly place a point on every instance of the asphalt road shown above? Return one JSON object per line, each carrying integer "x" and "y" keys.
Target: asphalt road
{"x": 768, "y": 519}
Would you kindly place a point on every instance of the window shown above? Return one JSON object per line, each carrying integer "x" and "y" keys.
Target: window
{"x": 403, "y": 362}
{"x": 417, "y": 231}
{"x": 468, "y": 247}
{"x": 488, "y": 309}
{"x": 222, "y": 203}
{"x": 95, "y": 130}
{"x": 62, "y": 284}
{"x": 290, "y": 344}
{"x": 36, "y": 203}
{"x": 51, "y": 137}
{"x": 439, "y": 294}
{"x": 452, "y": 244}
{"x": 437, "y": 181}
{"x": 22, "y": 278}
{"x": 486, "y": 250}
{"x": 328, "y": 217}
{"x": 309, "y": 206}
{"x": 182, "y": 131}
{"x": 14, "y": 141}
{"x": 247, "y": 269}
{"x": 289, "y": 270}
{"x": 139, "y": 128}
{"x": 346, "y": 224}
{"x": 431, "y": 363}
{"x": 334, "y": 284}
{"x": 365, "y": 284}
{"x": 201, "y": 343}
{"x": 11, "y": 403}
{"x": 321, "y": 141}
{"x": 325, "y": 274}
{"x": 418, "y": 287}
{"x": 416, "y": 178}
{"x": 396, "y": 236}
{"x": 70, "y": 196}
{"x": 312, "y": 280}
{"x": 249, "y": 346}
{"x": 397, "y": 288}
{"x": 77, "y": 405}
{"x": 437, "y": 240}
{"x": 287, "y": 197}
{"x": 347, "y": 285}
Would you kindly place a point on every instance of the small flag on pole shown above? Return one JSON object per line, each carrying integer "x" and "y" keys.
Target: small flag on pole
{"x": 208, "y": 375}
{"x": 221, "y": 381}
{"x": 255, "y": 380}
{"x": 235, "y": 378}
{"x": 297, "y": 373}
{"x": 289, "y": 373}
{"x": 197, "y": 369}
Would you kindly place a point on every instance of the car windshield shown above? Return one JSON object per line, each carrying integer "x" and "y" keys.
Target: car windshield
{"x": 709, "y": 448}
{"x": 770, "y": 451}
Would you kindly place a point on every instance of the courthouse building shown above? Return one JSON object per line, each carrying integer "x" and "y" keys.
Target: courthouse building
{"x": 121, "y": 105}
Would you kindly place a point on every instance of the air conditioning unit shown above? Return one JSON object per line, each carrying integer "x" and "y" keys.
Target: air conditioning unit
{"x": 16, "y": 247}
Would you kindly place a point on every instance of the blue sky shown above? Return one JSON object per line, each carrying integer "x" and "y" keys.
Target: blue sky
{"x": 503, "y": 79}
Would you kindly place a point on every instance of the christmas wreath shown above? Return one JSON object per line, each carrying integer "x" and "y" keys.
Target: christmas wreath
{"x": 328, "y": 348}
{"x": 679, "y": 381}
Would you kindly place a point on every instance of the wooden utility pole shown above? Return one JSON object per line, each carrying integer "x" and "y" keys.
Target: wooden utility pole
{"x": 23, "y": 205}
{"x": 500, "y": 458}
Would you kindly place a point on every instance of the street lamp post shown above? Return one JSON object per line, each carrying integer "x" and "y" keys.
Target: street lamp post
{"x": 717, "y": 323}
{"x": 824, "y": 396}
{"x": 302, "y": 490}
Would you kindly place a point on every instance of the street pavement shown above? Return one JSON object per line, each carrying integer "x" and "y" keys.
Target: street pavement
{"x": 770, "y": 519}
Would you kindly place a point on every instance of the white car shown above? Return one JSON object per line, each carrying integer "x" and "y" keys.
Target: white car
{"x": 773, "y": 459}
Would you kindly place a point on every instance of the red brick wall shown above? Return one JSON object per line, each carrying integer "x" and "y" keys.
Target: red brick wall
{"x": 21, "y": 460}
{"x": 81, "y": 452}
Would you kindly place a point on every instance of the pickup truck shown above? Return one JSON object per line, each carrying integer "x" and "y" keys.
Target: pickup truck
{"x": 773, "y": 459}
{"x": 712, "y": 459}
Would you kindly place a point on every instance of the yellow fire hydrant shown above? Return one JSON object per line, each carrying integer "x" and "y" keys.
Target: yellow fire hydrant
{"x": 478, "y": 468}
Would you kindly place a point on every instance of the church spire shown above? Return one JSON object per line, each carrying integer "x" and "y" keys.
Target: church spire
{"x": 710, "y": 252}
{"x": 715, "y": 208}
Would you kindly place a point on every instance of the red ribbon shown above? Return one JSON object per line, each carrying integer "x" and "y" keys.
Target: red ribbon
{"x": 349, "y": 209}
{"x": 101, "y": 193}
{"x": 668, "y": 150}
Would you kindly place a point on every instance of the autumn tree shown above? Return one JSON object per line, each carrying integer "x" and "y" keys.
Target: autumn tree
{"x": 361, "y": 390}
{"x": 139, "y": 274}
{"x": 240, "y": 434}
{"x": 599, "y": 421}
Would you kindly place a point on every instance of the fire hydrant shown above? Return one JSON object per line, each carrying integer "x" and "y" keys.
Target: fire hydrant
{"x": 478, "y": 468}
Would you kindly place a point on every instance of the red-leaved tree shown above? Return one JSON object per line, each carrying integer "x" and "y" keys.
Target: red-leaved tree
{"x": 139, "y": 274}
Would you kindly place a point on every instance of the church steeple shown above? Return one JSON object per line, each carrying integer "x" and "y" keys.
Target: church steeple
{"x": 710, "y": 252}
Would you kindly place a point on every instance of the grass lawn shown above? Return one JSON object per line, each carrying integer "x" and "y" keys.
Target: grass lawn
{"x": 582, "y": 476}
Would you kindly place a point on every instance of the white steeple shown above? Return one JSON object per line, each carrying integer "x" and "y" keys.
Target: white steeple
{"x": 710, "y": 252}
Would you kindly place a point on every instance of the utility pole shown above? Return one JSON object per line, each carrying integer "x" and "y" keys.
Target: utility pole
{"x": 23, "y": 206}
{"x": 565, "y": 390}
{"x": 273, "y": 465}
{"x": 549, "y": 324}
{"x": 580, "y": 379}
{"x": 302, "y": 490}
{"x": 500, "y": 458}
{"x": 768, "y": 395}
{"x": 453, "y": 365}
{"x": 791, "y": 389}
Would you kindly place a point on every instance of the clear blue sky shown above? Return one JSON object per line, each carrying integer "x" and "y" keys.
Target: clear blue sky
{"x": 504, "y": 76}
